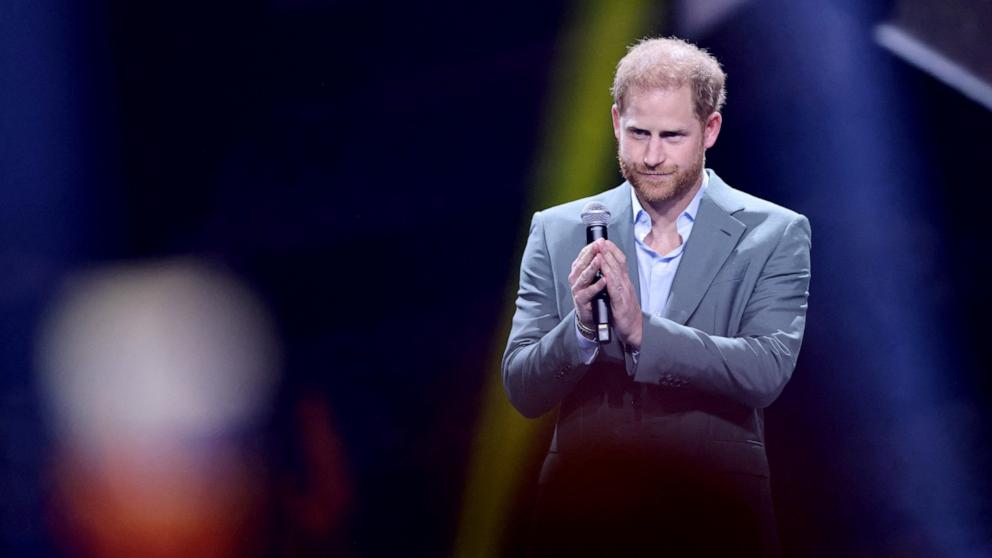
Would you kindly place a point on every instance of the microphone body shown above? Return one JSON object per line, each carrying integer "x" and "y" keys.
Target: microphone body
{"x": 596, "y": 216}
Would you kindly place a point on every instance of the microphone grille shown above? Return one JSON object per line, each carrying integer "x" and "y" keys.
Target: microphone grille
{"x": 595, "y": 213}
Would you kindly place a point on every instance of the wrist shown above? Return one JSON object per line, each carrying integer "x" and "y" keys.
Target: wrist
{"x": 635, "y": 337}
{"x": 586, "y": 331}
{"x": 634, "y": 343}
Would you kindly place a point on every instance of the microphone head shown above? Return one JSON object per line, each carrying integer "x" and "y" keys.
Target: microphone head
{"x": 595, "y": 213}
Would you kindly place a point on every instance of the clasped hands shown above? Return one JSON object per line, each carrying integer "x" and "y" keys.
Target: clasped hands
{"x": 604, "y": 256}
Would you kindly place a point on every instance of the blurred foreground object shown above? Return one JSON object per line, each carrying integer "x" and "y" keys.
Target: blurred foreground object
{"x": 158, "y": 377}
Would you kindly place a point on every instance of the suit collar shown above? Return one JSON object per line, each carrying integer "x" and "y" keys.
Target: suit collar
{"x": 714, "y": 236}
{"x": 725, "y": 197}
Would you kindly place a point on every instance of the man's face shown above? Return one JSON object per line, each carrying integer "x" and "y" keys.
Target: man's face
{"x": 661, "y": 143}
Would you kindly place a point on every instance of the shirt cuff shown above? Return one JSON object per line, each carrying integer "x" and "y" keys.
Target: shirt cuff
{"x": 588, "y": 349}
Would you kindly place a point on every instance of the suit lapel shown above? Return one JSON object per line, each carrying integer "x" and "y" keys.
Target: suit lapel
{"x": 714, "y": 236}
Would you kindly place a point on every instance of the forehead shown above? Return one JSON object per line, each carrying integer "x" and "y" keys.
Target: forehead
{"x": 658, "y": 103}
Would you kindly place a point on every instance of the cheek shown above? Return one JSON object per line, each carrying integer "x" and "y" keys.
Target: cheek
{"x": 627, "y": 149}
{"x": 685, "y": 154}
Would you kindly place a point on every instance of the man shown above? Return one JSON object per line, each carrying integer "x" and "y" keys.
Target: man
{"x": 659, "y": 441}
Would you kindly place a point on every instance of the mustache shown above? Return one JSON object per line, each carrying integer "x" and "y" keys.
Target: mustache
{"x": 644, "y": 169}
{"x": 674, "y": 169}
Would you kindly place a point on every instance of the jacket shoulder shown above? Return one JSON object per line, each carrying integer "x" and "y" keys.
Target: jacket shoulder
{"x": 752, "y": 210}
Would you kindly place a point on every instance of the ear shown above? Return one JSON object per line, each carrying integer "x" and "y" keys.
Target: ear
{"x": 616, "y": 121}
{"x": 711, "y": 130}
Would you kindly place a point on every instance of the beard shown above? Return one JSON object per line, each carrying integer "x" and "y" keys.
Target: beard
{"x": 661, "y": 189}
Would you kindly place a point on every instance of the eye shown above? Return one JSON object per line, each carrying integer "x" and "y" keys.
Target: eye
{"x": 637, "y": 132}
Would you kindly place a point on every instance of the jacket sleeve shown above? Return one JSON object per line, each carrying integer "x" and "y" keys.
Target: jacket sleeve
{"x": 542, "y": 361}
{"x": 752, "y": 367}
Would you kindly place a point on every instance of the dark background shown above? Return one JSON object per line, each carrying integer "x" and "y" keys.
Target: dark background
{"x": 348, "y": 158}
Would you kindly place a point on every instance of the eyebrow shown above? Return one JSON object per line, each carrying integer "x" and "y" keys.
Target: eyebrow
{"x": 663, "y": 133}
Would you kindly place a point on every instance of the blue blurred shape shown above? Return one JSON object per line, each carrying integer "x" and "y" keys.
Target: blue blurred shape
{"x": 820, "y": 119}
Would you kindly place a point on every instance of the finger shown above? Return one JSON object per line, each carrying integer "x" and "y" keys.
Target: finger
{"x": 610, "y": 247}
{"x": 613, "y": 268}
{"x": 619, "y": 293}
{"x": 587, "y": 275}
{"x": 585, "y": 295}
{"x": 582, "y": 260}
{"x": 618, "y": 283}
{"x": 591, "y": 249}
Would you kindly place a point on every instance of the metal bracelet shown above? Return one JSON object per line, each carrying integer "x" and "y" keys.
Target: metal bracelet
{"x": 586, "y": 331}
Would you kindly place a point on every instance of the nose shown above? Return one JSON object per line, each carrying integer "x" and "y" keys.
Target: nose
{"x": 655, "y": 154}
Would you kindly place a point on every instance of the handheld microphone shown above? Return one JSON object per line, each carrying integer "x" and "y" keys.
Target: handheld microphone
{"x": 596, "y": 216}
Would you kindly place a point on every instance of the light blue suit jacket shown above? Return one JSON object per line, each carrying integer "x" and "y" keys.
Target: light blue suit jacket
{"x": 723, "y": 351}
